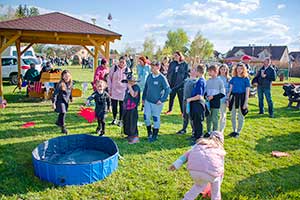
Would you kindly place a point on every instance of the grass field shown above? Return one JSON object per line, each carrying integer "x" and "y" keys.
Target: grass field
{"x": 250, "y": 171}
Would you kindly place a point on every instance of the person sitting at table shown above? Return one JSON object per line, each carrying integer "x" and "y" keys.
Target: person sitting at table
{"x": 47, "y": 67}
{"x": 32, "y": 75}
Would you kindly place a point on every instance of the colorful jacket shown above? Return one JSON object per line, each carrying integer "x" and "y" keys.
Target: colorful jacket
{"x": 203, "y": 159}
{"x": 115, "y": 87}
{"x": 100, "y": 74}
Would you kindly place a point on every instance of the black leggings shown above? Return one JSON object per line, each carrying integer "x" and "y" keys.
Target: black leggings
{"x": 179, "y": 93}
{"x": 61, "y": 119}
{"x": 114, "y": 104}
{"x": 101, "y": 124}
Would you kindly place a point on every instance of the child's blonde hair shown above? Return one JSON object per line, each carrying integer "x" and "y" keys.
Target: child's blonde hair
{"x": 215, "y": 140}
{"x": 244, "y": 73}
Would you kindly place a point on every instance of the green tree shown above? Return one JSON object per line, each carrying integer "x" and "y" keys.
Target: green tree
{"x": 33, "y": 11}
{"x": 24, "y": 11}
{"x": 177, "y": 40}
{"x": 149, "y": 45}
{"x": 201, "y": 47}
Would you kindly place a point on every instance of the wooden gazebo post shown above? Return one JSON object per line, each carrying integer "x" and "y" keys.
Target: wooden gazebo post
{"x": 18, "y": 47}
{"x": 96, "y": 55}
{"x": 1, "y": 83}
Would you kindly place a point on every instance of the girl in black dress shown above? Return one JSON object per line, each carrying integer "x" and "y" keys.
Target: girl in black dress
{"x": 61, "y": 97}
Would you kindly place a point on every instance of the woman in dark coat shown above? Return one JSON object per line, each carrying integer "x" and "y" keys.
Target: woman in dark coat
{"x": 61, "y": 97}
{"x": 177, "y": 73}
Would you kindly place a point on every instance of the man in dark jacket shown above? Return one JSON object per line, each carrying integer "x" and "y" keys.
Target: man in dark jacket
{"x": 265, "y": 76}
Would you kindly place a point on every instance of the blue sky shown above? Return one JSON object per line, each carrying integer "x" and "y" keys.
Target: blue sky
{"x": 224, "y": 23}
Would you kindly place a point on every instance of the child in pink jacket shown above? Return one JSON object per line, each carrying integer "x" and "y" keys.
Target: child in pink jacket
{"x": 205, "y": 162}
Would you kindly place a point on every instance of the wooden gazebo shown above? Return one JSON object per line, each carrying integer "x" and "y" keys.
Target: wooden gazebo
{"x": 53, "y": 28}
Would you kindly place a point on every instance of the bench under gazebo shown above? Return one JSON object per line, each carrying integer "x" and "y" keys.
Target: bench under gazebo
{"x": 53, "y": 28}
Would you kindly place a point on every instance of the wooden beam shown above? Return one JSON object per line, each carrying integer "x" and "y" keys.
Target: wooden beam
{"x": 1, "y": 83}
{"x": 24, "y": 50}
{"x": 92, "y": 41}
{"x": 9, "y": 42}
{"x": 107, "y": 51}
{"x": 96, "y": 57}
{"x": 48, "y": 41}
{"x": 18, "y": 47}
{"x": 102, "y": 51}
{"x": 88, "y": 50}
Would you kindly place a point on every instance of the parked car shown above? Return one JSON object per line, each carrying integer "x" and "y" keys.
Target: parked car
{"x": 10, "y": 67}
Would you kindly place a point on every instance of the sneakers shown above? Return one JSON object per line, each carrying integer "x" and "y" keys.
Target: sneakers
{"x": 168, "y": 113}
{"x": 114, "y": 122}
{"x": 98, "y": 129}
{"x": 120, "y": 123}
{"x": 181, "y": 132}
{"x": 207, "y": 135}
{"x": 134, "y": 140}
{"x": 64, "y": 130}
{"x": 234, "y": 134}
{"x": 271, "y": 115}
{"x": 101, "y": 133}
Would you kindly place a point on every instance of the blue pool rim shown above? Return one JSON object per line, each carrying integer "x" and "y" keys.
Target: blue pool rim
{"x": 76, "y": 174}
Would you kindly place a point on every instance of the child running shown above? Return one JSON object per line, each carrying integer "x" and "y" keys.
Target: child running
{"x": 102, "y": 101}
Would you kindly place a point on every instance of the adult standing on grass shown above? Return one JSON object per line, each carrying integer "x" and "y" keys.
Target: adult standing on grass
{"x": 238, "y": 96}
{"x": 101, "y": 73}
{"x": 155, "y": 93}
{"x": 265, "y": 76}
{"x": 177, "y": 73}
{"x": 116, "y": 88}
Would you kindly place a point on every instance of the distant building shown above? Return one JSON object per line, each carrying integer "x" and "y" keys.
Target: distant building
{"x": 295, "y": 63}
{"x": 278, "y": 54}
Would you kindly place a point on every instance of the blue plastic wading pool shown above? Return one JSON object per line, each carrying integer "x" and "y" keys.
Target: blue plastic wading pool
{"x": 75, "y": 159}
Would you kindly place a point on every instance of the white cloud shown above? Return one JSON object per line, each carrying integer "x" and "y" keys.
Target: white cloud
{"x": 281, "y": 6}
{"x": 224, "y": 23}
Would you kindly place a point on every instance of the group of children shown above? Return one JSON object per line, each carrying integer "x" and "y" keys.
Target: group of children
{"x": 206, "y": 99}
{"x": 202, "y": 99}
{"x": 155, "y": 93}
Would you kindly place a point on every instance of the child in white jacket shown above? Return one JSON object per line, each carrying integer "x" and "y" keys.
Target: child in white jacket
{"x": 205, "y": 162}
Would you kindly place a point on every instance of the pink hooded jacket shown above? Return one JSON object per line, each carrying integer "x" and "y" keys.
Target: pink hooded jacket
{"x": 207, "y": 160}
{"x": 115, "y": 87}
{"x": 100, "y": 74}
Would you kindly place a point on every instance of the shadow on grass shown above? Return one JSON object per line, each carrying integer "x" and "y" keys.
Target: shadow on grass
{"x": 288, "y": 142}
{"x": 268, "y": 184}
{"x": 16, "y": 169}
{"x": 282, "y": 112}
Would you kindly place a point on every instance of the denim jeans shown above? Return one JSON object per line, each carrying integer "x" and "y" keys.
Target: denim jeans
{"x": 154, "y": 111}
{"x": 267, "y": 92}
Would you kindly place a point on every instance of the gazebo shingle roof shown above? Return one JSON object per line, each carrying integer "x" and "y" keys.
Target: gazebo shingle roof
{"x": 53, "y": 22}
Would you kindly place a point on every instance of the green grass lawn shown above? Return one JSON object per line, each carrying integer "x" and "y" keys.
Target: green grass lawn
{"x": 250, "y": 171}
